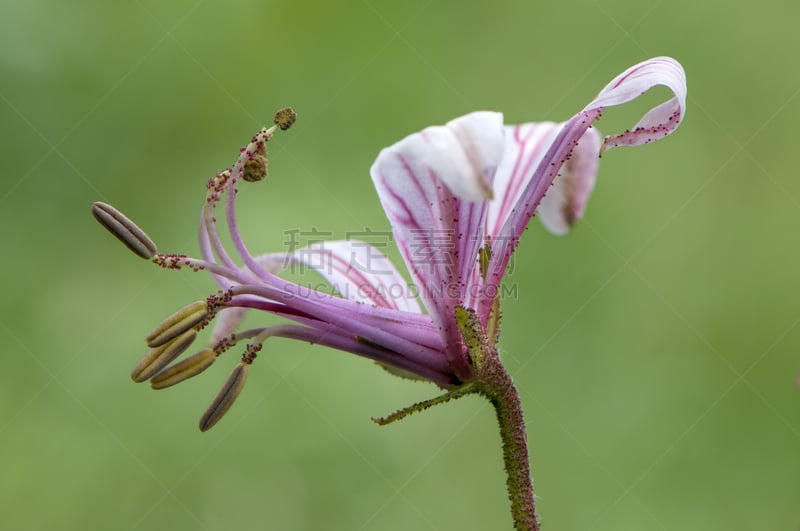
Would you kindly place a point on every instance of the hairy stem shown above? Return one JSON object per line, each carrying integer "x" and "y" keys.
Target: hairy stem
{"x": 497, "y": 386}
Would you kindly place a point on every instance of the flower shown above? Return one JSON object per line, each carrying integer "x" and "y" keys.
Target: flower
{"x": 481, "y": 182}
{"x": 458, "y": 197}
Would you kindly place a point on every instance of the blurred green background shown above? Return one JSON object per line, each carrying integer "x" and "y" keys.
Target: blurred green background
{"x": 656, "y": 347}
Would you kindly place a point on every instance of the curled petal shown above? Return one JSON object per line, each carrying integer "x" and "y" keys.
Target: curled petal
{"x": 506, "y": 227}
{"x": 635, "y": 81}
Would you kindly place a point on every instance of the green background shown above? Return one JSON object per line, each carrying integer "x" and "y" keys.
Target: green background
{"x": 656, "y": 347}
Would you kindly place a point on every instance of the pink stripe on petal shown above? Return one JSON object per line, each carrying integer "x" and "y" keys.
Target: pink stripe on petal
{"x": 525, "y": 146}
{"x": 557, "y": 154}
{"x": 635, "y": 81}
{"x": 480, "y": 138}
{"x": 565, "y": 201}
{"x": 426, "y": 182}
{"x": 358, "y": 271}
{"x": 659, "y": 122}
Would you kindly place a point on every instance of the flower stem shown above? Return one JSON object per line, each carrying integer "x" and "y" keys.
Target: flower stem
{"x": 497, "y": 386}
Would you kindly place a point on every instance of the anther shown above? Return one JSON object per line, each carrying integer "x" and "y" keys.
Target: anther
{"x": 177, "y": 323}
{"x": 124, "y": 229}
{"x": 284, "y": 118}
{"x": 255, "y": 169}
{"x": 159, "y": 357}
{"x": 226, "y": 397}
{"x": 184, "y": 369}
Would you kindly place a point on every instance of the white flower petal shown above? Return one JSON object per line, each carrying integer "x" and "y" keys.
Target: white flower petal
{"x": 565, "y": 201}
{"x": 635, "y": 81}
{"x": 463, "y": 154}
{"x": 525, "y": 145}
{"x": 432, "y": 185}
{"x": 507, "y": 224}
{"x": 358, "y": 271}
{"x": 480, "y": 137}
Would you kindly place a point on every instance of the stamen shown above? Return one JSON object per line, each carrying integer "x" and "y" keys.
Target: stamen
{"x": 172, "y": 261}
{"x": 216, "y": 186}
{"x": 178, "y": 323}
{"x": 210, "y": 243}
{"x": 124, "y": 229}
{"x": 214, "y": 303}
{"x": 197, "y": 363}
{"x": 284, "y": 118}
{"x": 226, "y": 396}
{"x": 255, "y": 169}
{"x": 184, "y": 369}
{"x": 179, "y": 261}
{"x": 159, "y": 357}
{"x": 225, "y": 343}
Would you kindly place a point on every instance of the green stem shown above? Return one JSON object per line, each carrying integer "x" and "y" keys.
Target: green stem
{"x": 497, "y": 386}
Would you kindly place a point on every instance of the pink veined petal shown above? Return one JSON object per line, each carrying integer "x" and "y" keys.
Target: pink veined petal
{"x": 437, "y": 230}
{"x": 463, "y": 153}
{"x": 357, "y": 270}
{"x": 351, "y": 318}
{"x": 404, "y": 319}
{"x": 525, "y": 146}
{"x": 565, "y": 202}
{"x": 507, "y": 225}
{"x": 635, "y": 81}
{"x": 480, "y": 137}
